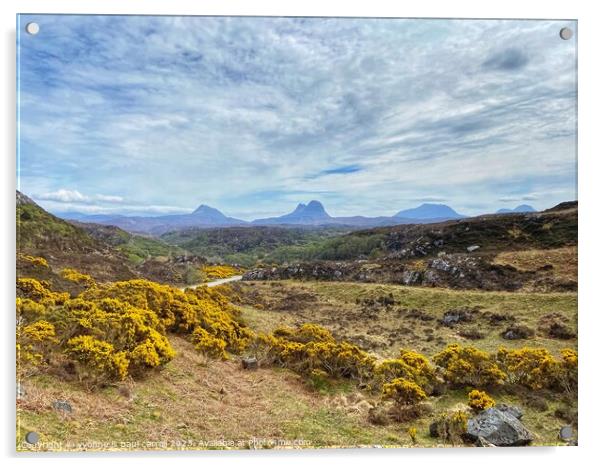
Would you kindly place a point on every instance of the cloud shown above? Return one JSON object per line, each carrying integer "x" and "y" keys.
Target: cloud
{"x": 366, "y": 115}
{"x": 64, "y": 195}
{"x": 344, "y": 170}
{"x": 75, "y": 197}
{"x": 509, "y": 59}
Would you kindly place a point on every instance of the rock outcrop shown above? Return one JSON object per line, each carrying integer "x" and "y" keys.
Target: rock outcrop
{"x": 500, "y": 427}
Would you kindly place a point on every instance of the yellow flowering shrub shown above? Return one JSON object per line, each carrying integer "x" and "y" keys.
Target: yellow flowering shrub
{"x": 567, "y": 372}
{"x": 77, "y": 277}
{"x": 118, "y": 329}
{"x": 180, "y": 311}
{"x": 96, "y": 360}
{"x": 403, "y": 392}
{"x": 410, "y": 366}
{"x": 216, "y": 272}
{"x": 208, "y": 344}
{"x": 39, "y": 291}
{"x": 535, "y": 368}
{"x": 480, "y": 401}
{"x": 28, "y": 310}
{"x": 312, "y": 347}
{"x": 34, "y": 342}
{"x": 33, "y": 260}
{"x": 469, "y": 366}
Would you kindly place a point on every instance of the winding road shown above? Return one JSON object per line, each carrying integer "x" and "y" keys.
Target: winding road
{"x": 221, "y": 281}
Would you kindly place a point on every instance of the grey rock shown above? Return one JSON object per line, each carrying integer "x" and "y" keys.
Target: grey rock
{"x": 481, "y": 442}
{"x": 512, "y": 410}
{"x": 249, "y": 363}
{"x": 472, "y": 248}
{"x": 566, "y": 433}
{"x": 500, "y": 428}
{"x": 63, "y": 406}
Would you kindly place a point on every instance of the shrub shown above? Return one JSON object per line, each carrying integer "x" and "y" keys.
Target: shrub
{"x": 33, "y": 260}
{"x": 468, "y": 365}
{"x": 410, "y": 365}
{"x": 403, "y": 392}
{"x": 567, "y": 371}
{"x": 34, "y": 343}
{"x": 450, "y": 426}
{"x": 77, "y": 277}
{"x": 313, "y": 347}
{"x": 216, "y": 272}
{"x": 97, "y": 360}
{"x": 40, "y": 292}
{"x": 180, "y": 311}
{"x": 28, "y": 310}
{"x": 480, "y": 401}
{"x": 208, "y": 344}
{"x": 534, "y": 368}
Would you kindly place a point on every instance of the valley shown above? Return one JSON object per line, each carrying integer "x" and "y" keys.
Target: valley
{"x": 332, "y": 315}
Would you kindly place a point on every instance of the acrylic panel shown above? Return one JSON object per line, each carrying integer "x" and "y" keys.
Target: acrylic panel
{"x": 279, "y": 232}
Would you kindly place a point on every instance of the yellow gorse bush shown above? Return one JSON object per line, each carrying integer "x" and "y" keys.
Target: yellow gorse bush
{"x": 33, "y": 260}
{"x": 118, "y": 329}
{"x": 403, "y": 392}
{"x": 410, "y": 366}
{"x": 311, "y": 347}
{"x": 216, "y": 272}
{"x": 39, "y": 291}
{"x": 469, "y": 366}
{"x": 480, "y": 401}
{"x": 77, "y": 277}
{"x": 536, "y": 368}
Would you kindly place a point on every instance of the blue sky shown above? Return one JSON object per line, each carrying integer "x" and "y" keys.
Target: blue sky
{"x": 154, "y": 115}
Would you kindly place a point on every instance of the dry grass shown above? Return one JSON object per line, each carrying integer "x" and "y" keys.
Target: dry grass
{"x": 192, "y": 404}
{"x": 196, "y": 403}
{"x": 413, "y": 321}
{"x": 561, "y": 262}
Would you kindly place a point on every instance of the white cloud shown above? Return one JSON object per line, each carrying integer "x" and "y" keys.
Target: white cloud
{"x": 175, "y": 111}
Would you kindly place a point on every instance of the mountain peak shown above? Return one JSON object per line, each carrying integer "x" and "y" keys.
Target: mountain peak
{"x": 523, "y": 208}
{"x": 429, "y": 211}
{"x": 312, "y": 213}
{"x": 207, "y": 210}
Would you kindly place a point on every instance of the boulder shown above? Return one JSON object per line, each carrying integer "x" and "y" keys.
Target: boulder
{"x": 249, "y": 363}
{"x": 499, "y": 427}
{"x": 62, "y": 406}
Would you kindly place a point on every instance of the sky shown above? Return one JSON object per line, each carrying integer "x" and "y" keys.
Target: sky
{"x": 153, "y": 115}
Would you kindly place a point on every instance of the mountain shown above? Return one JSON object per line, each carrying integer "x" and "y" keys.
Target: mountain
{"x": 430, "y": 212}
{"x": 203, "y": 217}
{"x": 310, "y": 214}
{"x": 523, "y": 208}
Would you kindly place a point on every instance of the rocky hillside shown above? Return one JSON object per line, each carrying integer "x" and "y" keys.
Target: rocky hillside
{"x": 494, "y": 252}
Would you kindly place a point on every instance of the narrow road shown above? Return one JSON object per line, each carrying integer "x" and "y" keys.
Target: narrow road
{"x": 221, "y": 281}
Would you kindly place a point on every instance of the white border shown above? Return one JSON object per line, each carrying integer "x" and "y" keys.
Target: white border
{"x": 590, "y": 197}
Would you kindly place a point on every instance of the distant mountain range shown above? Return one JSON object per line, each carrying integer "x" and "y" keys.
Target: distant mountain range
{"x": 310, "y": 214}
{"x": 521, "y": 209}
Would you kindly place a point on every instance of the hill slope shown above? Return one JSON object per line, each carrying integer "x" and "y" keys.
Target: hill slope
{"x": 65, "y": 245}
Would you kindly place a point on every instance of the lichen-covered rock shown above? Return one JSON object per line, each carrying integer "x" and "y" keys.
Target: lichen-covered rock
{"x": 499, "y": 427}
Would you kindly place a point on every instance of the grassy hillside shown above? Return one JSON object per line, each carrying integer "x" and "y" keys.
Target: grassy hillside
{"x": 136, "y": 248}
{"x": 385, "y": 318}
{"x": 247, "y": 245}
{"x": 65, "y": 245}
